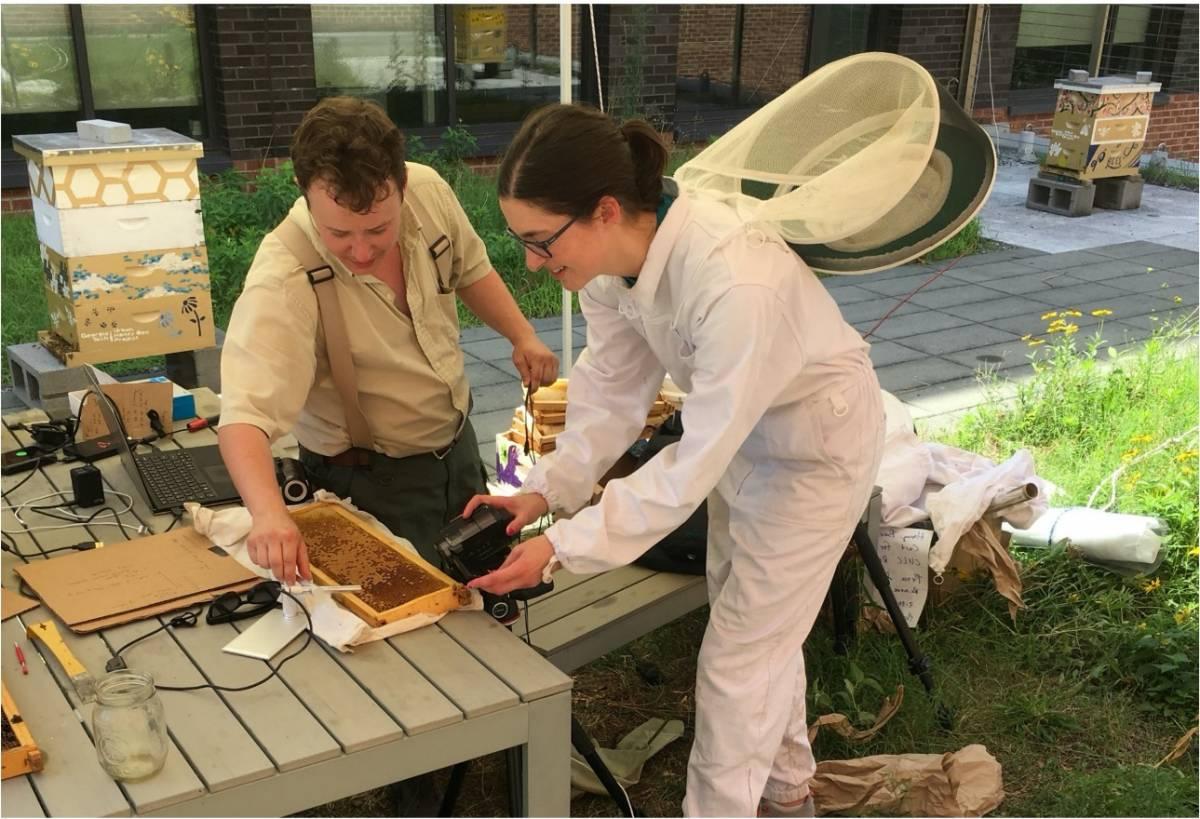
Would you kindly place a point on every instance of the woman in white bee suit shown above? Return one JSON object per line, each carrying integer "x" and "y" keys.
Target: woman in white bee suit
{"x": 783, "y": 429}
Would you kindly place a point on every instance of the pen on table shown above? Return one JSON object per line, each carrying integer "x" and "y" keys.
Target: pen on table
{"x": 21, "y": 658}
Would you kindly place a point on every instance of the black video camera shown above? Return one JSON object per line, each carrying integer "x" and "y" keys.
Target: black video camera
{"x": 472, "y": 547}
{"x": 293, "y": 480}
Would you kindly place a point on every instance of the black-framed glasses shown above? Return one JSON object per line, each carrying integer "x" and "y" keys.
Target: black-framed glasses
{"x": 232, "y": 606}
{"x": 541, "y": 247}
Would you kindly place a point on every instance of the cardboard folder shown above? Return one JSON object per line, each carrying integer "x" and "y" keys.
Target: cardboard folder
{"x": 133, "y": 580}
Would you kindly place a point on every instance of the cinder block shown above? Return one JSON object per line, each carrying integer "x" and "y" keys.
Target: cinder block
{"x": 197, "y": 368}
{"x": 41, "y": 380}
{"x": 103, "y": 130}
{"x": 1060, "y": 196}
{"x": 1119, "y": 192}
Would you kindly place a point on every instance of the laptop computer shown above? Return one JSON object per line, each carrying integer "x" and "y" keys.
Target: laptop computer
{"x": 169, "y": 478}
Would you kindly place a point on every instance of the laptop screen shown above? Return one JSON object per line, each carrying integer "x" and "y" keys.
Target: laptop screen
{"x": 112, "y": 420}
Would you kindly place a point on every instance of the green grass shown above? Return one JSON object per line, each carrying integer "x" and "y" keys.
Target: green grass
{"x": 1169, "y": 177}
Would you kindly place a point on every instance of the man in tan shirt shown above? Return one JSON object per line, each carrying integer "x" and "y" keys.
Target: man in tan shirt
{"x": 401, "y": 321}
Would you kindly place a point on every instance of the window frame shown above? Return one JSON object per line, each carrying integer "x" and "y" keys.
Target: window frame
{"x": 14, "y": 172}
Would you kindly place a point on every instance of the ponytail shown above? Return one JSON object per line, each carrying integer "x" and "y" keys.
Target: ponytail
{"x": 565, "y": 158}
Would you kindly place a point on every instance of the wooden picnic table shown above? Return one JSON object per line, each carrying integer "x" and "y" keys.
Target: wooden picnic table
{"x": 331, "y": 725}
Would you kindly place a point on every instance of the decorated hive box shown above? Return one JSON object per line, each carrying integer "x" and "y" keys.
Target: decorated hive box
{"x": 1099, "y": 126}
{"x": 122, "y": 244}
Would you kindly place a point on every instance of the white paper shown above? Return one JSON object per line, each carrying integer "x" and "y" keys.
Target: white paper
{"x": 905, "y": 557}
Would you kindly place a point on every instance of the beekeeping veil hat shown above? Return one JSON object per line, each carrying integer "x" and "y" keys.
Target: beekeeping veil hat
{"x": 861, "y": 166}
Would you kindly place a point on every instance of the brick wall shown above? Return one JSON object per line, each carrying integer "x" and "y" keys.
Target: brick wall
{"x": 774, "y": 48}
{"x": 706, "y": 41}
{"x": 933, "y": 36}
{"x": 264, "y": 76}
{"x": 638, "y": 48}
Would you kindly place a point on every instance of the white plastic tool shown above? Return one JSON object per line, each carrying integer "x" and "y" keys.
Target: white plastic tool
{"x": 278, "y": 627}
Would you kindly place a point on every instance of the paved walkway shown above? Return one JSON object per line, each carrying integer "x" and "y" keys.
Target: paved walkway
{"x": 928, "y": 351}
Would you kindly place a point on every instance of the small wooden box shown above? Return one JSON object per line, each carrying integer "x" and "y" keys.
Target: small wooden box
{"x": 24, "y": 756}
{"x": 342, "y": 550}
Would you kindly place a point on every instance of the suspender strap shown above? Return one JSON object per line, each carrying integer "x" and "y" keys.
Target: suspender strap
{"x": 337, "y": 344}
{"x": 439, "y": 248}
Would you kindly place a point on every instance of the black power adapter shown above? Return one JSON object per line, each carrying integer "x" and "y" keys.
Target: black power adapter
{"x": 87, "y": 486}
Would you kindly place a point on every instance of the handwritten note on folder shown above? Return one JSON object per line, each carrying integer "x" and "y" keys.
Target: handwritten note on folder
{"x": 905, "y": 557}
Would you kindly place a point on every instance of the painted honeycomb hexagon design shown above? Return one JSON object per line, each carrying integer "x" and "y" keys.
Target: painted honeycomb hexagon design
{"x": 41, "y": 181}
{"x": 127, "y": 183}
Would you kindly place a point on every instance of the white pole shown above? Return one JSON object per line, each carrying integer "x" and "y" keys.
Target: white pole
{"x": 564, "y": 95}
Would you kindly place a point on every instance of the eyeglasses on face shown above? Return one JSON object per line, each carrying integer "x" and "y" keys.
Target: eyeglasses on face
{"x": 232, "y": 606}
{"x": 541, "y": 247}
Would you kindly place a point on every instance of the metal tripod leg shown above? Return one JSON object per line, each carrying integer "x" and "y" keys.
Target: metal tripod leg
{"x": 865, "y": 535}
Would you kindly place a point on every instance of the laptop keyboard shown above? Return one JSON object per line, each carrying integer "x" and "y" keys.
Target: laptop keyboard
{"x": 172, "y": 478}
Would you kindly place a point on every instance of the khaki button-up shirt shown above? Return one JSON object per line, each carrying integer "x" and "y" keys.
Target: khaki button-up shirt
{"x": 409, "y": 372}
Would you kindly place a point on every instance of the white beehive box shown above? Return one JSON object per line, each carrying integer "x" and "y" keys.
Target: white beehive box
{"x": 122, "y": 238}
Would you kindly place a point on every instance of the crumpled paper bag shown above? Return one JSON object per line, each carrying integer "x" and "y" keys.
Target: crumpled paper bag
{"x": 337, "y": 627}
{"x": 626, "y": 760}
{"x": 967, "y": 782}
{"x": 841, "y": 724}
{"x": 981, "y": 546}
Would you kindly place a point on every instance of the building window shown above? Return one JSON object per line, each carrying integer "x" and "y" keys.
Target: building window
{"x": 130, "y": 63}
{"x": 1144, "y": 38}
{"x": 504, "y": 60}
{"x": 144, "y": 66}
{"x": 392, "y": 54}
{"x": 1051, "y": 40}
{"x": 41, "y": 81}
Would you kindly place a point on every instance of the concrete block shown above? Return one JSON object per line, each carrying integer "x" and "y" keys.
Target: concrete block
{"x": 41, "y": 380}
{"x": 1060, "y": 196}
{"x": 1119, "y": 193}
{"x": 197, "y": 368}
{"x": 103, "y": 130}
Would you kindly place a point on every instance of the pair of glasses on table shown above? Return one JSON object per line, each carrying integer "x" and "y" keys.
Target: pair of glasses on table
{"x": 232, "y": 606}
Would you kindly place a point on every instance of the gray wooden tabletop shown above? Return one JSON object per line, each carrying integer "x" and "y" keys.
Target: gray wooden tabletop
{"x": 329, "y": 726}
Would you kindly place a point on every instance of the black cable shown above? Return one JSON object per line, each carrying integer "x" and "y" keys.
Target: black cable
{"x": 116, "y": 662}
{"x": 20, "y": 483}
{"x": 188, "y": 619}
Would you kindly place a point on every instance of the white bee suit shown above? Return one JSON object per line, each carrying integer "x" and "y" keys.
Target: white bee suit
{"x": 783, "y": 430}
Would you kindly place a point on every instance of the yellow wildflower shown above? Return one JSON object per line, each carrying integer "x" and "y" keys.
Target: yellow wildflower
{"x": 1141, "y": 439}
{"x": 1141, "y": 626}
{"x": 1026, "y": 337}
{"x": 1049, "y": 315}
{"x": 1071, "y": 329}
{"x": 1194, "y": 551}
{"x": 1103, "y": 311}
{"x": 1186, "y": 455}
{"x": 1183, "y": 615}
{"x": 1130, "y": 454}
{"x": 1178, "y": 299}
{"x": 1187, "y": 470}
{"x": 1072, "y": 313}
{"x": 1035, "y": 342}
{"x": 1153, "y": 586}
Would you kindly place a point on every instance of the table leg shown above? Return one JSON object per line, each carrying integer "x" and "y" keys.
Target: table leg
{"x": 546, "y": 768}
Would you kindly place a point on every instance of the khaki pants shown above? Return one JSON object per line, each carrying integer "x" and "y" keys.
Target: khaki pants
{"x": 414, "y": 497}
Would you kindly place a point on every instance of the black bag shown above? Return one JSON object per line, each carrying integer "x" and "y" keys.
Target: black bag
{"x": 683, "y": 550}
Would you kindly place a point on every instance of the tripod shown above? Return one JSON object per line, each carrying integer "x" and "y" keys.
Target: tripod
{"x": 844, "y": 594}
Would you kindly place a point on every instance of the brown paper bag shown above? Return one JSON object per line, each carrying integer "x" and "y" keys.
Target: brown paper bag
{"x": 964, "y": 783}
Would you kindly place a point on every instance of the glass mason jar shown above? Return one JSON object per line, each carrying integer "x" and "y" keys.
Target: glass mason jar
{"x": 128, "y": 725}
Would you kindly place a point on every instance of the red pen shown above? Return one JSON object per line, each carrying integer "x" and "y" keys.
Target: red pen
{"x": 21, "y": 658}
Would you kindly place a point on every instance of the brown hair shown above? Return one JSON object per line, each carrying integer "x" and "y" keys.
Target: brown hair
{"x": 352, "y": 146}
{"x": 566, "y": 157}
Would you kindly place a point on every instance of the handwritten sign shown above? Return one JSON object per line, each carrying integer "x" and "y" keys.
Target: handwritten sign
{"x": 905, "y": 557}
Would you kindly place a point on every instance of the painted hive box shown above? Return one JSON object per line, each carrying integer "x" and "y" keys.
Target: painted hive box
{"x": 342, "y": 550}
{"x": 123, "y": 305}
{"x": 1099, "y": 127}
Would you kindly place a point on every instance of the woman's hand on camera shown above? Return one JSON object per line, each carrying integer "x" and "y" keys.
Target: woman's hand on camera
{"x": 275, "y": 543}
{"x": 525, "y": 508}
{"x": 521, "y": 570}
